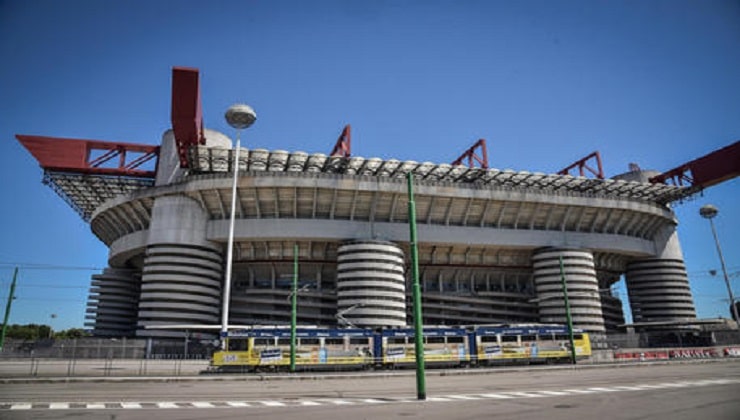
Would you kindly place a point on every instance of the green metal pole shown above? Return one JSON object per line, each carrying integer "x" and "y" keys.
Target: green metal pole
{"x": 421, "y": 392}
{"x": 567, "y": 314}
{"x": 11, "y": 296}
{"x": 294, "y": 308}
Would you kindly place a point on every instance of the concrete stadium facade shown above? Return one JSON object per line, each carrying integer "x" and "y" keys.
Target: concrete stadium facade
{"x": 490, "y": 245}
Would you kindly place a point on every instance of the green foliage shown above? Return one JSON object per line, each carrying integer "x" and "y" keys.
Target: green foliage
{"x": 71, "y": 333}
{"x": 37, "y": 332}
{"x": 26, "y": 332}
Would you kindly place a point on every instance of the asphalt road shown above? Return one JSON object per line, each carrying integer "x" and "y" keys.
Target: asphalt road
{"x": 674, "y": 391}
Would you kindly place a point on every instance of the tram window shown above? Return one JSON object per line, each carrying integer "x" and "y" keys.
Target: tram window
{"x": 358, "y": 341}
{"x": 509, "y": 339}
{"x": 309, "y": 341}
{"x": 455, "y": 339}
{"x": 283, "y": 342}
{"x": 577, "y": 336}
{"x": 435, "y": 340}
{"x": 396, "y": 340}
{"x": 546, "y": 337}
{"x": 334, "y": 341}
{"x": 561, "y": 337}
{"x": 488, "y": 339}
{"x": 237, "y": 345}
{"x": 263, "y": 341}
{"x": 529, "y": 338}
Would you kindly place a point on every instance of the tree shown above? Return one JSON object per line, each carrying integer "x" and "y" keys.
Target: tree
{"x": 28, "y": 331}
{"x": 71, "y": 333}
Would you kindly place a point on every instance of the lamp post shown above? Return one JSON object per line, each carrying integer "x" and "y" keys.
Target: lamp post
{"x": 239, "y": 116}
{"x": 568, "y": 318}
{"x": 51, "y": 326}
{"x": 294, "y": 308}
{"x": 709, "y": 212}
{"x": 421, "y": 388}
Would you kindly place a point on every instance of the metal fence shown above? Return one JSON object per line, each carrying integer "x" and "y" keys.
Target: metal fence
{"x": 109, "y": 348}
{"x": 65, "y": 368}
{"x": 103, "y": 357}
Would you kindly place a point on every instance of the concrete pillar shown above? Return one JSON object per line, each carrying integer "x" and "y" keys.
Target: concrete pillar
{"x": 182, "y": 275}
{"x": 583, "y": 288}
{"x": 370, "y": 280}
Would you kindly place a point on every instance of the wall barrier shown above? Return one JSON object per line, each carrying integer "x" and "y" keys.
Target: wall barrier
{"x": 687, "y": 353}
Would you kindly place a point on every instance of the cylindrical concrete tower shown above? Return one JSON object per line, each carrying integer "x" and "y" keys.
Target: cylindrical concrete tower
{"x": 659, "y": 287}
{"x": 659, "y": 290}
{"x": 371, "y": 288}
{"x": 114, "y": 299}
{"x": 583, "y": 288}
{"x": 181, "y": 281}
{"x": 611, "y": 306}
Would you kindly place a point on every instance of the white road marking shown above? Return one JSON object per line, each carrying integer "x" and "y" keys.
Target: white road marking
{"x": 463, "y": 397}
{"x": 237, "y": 404}
{"x": 500, "y": 396}
{"x": 526, "y": 394}
{"x": 675, "y": 385}
{"x": 555, "y": 393}
{"x": 580, "y": 391}
{"x": 438, "y": 399}
{"x": 341, "y": 402}
{"x": 272, "y": 403}
{"x": 308, "y": 403}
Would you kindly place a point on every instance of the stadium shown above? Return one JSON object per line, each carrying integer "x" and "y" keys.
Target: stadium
{"x": 493, "y": 247}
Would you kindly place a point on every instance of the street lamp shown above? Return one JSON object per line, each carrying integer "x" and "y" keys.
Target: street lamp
{"x": 239, "y": 116}
{"x": 709, "y": 212}
{"x": 567, "y": 313}
{"x": 421, "y": 387}
{"x": 51, "y": 326}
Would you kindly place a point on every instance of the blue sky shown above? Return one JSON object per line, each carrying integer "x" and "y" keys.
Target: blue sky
{"x": 545, "y": 82}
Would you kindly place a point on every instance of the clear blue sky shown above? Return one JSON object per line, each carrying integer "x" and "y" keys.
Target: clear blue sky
{"x": 545, "y": 82}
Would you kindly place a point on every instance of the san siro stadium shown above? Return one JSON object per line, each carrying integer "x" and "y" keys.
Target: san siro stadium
{"x": 490, "y": 246}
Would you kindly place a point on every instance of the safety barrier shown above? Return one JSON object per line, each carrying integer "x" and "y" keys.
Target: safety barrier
{"x": 683, "y": 353}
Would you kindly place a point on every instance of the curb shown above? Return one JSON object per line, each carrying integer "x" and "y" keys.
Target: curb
{"x": 312, "y": 376}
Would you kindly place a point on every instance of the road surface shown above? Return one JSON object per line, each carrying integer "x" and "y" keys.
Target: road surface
{"x": 674, "y": 391}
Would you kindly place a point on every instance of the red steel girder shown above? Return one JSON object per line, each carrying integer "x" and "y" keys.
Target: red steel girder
{"x": 186, "y": 114}
{"x": 343, "y": 147}
{"x": 472, "y": 157}
{"x": 582, "y": 166}
{"x": 711, "y": 169}
{"x": 74, "y": 155}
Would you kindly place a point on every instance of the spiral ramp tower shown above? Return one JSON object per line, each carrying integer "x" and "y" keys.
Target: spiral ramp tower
{"x": 659, "y": 290}
{"x": 582, "y": 286}
{"x": 182, "y": 271}
{"x": 659, "y": 287}
{"x": 113, "y": 302}
{"x": 371, "y": 287}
